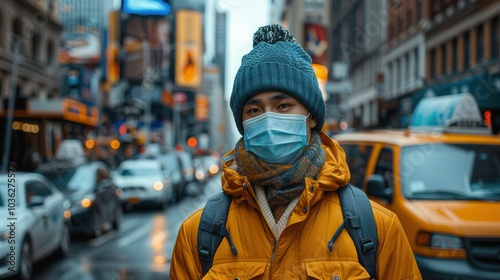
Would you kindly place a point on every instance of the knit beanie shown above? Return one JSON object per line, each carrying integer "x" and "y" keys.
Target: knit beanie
{"x": 277, "y": 63}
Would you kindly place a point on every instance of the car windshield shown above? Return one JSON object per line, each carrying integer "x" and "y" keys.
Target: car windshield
{"x": 170, "y": 162}
{"x": 451, "y": 171}
{"x": 78, "y": 180}
{"x": 138, "y": 172}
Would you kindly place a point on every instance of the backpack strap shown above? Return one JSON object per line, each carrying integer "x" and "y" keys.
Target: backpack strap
{"x": 360, "y": 224}
{"x": 212, "y": 229}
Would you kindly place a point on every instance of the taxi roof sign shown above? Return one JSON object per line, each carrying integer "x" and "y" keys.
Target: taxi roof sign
{"x": 450, "y": 113}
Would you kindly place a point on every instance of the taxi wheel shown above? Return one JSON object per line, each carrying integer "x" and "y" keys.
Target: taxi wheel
{"x": 26, "y": 266}
{"x": 63, "y": 250}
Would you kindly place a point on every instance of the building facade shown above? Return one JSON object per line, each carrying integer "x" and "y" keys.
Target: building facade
{"x": 463, "y": 53}
{"x": 30, "y": 78}
{"x": 404, "y": 59}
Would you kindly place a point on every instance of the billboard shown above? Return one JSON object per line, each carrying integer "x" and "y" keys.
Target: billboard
{"x": 147, "y": 46}
{"x": 188, "y": 51}
{"x": 316, "y": 42}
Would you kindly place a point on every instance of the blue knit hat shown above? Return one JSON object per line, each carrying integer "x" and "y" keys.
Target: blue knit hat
{"x": 277, "y": 63}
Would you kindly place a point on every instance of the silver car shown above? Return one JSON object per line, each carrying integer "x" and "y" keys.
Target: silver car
{"x": 35, "y": 222}
{"x": 143, "y": 182}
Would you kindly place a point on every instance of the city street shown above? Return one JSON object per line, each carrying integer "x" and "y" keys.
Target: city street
{"x": 140, "y": 249}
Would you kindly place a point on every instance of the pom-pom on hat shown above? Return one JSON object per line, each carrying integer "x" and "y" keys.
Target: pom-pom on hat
{"x": 277, "y": 63}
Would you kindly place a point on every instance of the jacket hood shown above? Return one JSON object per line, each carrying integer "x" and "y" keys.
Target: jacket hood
{"x": 333, "y": 175}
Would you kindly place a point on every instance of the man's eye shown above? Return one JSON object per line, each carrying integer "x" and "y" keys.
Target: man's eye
{"x": 253, "y": 111}
{"x": 284, "y": 106}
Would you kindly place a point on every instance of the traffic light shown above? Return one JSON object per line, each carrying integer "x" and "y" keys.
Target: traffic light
{"x": 192, "y": 142}
{"x": 202, "y": 107}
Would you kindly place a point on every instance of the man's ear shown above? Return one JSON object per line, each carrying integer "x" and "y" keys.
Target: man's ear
{"x": 313, "y": 123}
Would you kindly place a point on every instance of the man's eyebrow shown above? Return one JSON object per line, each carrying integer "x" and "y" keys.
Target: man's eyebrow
{"x": 253, "y": 101}
{"x": 280, "y": 96}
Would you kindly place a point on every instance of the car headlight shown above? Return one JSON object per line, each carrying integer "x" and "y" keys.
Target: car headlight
{"x": 214, "y": 169}
{"x": 119, "y": 192}
{"x": 158, "y": 186}
{"x": 199, "y": 175}
{"x": 439, "y": 241}
{"x": 83, "y": 202}
{"x": 86, "y": 202}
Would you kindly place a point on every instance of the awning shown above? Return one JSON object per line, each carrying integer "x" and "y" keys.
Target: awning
{"x": 64, "y": 108}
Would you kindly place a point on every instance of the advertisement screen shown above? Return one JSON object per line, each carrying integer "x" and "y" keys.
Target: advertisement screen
{"x": 146, "y": 7}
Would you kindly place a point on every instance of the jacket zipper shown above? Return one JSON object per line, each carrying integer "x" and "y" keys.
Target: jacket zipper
{"x": 272, "y": 256}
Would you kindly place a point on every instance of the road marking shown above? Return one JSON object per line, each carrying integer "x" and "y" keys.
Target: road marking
{"x": 158, "y": 238}
{"x": 112, "y": 234}
{"x": 127, "y": 240}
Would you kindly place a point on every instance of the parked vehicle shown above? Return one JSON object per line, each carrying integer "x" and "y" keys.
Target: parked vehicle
{"x": 40, "y": 227}
{"x": 143, "y": 181}
{"x": 442, "y": 178}
{"x": 173, "y": 166}
{"x": 95, "y": 204}
{"x": 188, "y": 172}
{"x": 206, "y": 166}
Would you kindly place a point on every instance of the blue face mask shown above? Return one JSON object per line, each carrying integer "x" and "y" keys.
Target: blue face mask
{"x": 276, "y": 138}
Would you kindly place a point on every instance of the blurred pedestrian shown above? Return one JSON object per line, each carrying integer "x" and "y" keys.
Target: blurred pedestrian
{"x": 32, "y": 159}
{"x": 283, "y": 176}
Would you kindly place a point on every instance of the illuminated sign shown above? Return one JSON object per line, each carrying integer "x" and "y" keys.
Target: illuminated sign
{"x": 189, "y": 43}
{"x": 146, "y": 7}
{"x": 78, "y": 112}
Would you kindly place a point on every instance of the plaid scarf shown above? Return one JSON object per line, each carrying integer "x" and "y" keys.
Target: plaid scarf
{"x": 282, "y": 182}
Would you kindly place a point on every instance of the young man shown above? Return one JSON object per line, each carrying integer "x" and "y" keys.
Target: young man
{"x": 283, "y": 176}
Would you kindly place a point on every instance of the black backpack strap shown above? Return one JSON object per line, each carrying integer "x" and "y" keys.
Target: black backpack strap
{"x": 212, "y": 229}
{"x": 360, "y": 223}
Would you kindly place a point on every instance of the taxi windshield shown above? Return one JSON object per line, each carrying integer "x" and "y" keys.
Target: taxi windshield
{"x": 451, "y": 171}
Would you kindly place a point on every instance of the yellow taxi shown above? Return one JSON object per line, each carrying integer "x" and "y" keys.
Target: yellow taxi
{"x": 441, "y": 176}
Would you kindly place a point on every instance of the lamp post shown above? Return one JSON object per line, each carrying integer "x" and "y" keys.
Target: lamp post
{"x": 10, "y": 110}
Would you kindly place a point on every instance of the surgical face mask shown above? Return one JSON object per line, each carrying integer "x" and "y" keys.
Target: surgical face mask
{"x": 276, "y": 138}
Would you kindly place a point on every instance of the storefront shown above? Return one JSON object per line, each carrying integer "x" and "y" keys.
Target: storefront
{"x": 39, "y": 129}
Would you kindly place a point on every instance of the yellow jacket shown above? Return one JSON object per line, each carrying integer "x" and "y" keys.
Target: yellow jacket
{"x": 302, "y": 249}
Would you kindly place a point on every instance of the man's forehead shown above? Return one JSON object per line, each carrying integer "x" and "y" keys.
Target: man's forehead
{"x": 267, "y": 95}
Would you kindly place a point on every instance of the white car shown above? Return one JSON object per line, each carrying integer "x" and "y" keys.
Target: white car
{"x": 34, "y": 222}
{"x": 143, "y": 181}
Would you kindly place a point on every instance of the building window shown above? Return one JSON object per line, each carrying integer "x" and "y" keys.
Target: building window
{"x": 407, "y": 70}
{"x": 389, "y": 79}
{"x": 419, "y": 10}
{"x": 409, "y": 19}
{"x": 398, "y": 75}
{"x": 443, "y": 59}
{"x": 17, "y": 34}
{"x": 50, "y": 53}
{"x": 35, "y": 45}
{"x": 479, "y": 43}
{"x": 466, "y": 50}
{"x": 495, "y": 44}
{"x": 400, "y": 24}
{"x": 454, "y": 55}
{"x": 417, "y": 65}
{"x": 433, "y": 63}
